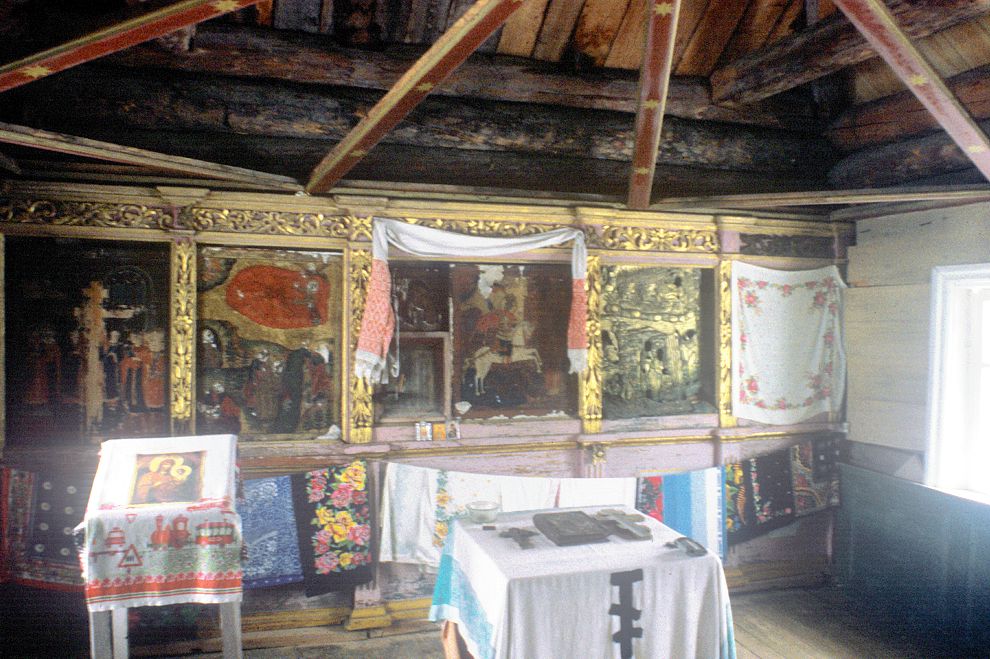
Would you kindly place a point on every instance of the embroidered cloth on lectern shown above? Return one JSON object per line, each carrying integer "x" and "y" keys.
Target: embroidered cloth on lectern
{"x": 787, "y": 359}
{"x": 160, "y": 526}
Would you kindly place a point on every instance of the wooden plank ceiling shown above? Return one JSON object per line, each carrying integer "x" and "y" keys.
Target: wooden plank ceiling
{"x": 764, "y": 96}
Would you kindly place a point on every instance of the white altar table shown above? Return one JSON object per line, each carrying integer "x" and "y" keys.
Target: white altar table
{"x": 622, "y": 598}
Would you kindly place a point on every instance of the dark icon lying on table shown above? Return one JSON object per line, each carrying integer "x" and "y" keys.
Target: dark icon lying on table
{"x": 624, "y": 524}
{"x": 692, "y": 547}
{"x": 573, "y": 527}
{"x": 521, "y": 536}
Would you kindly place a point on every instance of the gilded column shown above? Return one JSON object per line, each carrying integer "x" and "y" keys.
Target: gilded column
{"x": 361, "y": 411}
{"x": 590, "y": 388}
{"x": 725, "y": 417}
{"x": 183, "y": 345}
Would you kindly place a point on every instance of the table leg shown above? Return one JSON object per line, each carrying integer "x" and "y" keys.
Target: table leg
{"x": 100, "y": 639}
{"x": 119, "y": 617}
{"x": 230, "y": 629}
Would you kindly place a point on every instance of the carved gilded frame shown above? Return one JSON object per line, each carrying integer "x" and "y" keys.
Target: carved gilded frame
{"x": 190, "y": 217}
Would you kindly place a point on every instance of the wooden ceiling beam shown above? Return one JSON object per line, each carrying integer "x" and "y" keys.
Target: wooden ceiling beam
{"x": 654, "y": 79}
{"x": 878, "y": 25}
{"x": 446, "y": 54}
{"x": 832, "y": 44}
{"x": 80, "y": 146}
{"x": 960, "y": 193}
{"x": 901, "y": 115}
{"x": 117, "y": 37}
{"x": 267, "y": 54}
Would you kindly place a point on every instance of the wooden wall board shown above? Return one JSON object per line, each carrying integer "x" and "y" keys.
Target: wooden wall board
{"x": 520, "y": 32}
{"x": 702, "y": 54}
{"x": 887, "y": 349}
{"x": 558, "y": 26}
{"x": 904, "y": 249}
{"x": 597, "y": 27}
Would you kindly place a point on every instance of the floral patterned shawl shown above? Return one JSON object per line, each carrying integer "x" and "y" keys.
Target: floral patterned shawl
{"x": 333, "y": 519}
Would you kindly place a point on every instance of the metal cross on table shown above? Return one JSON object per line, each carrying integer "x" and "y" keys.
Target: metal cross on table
{"x": 626, "y": 522}
{"x": 521, "y": 536}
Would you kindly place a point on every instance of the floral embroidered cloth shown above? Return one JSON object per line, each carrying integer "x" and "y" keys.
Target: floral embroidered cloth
{"x": 270, "y": 533}
{"x": 333, "y": 518}
{"x": 787, "y": 359}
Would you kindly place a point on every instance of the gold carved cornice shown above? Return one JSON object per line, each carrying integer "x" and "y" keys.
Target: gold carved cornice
{"x": 84, "y": 214}
{"x": 658, "y": 239}
{"x": 281, "y": 223}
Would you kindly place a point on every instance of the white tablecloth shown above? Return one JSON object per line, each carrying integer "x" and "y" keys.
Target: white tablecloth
{"x": 555, "y": 602}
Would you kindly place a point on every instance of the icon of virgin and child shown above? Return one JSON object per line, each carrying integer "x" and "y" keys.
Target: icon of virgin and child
{"x": 167, "y": 478}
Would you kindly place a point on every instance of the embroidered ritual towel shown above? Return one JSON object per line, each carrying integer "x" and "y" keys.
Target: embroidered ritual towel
{"x": 758, "y": 496}
{"x": 689, "y": 502}
{"x": 270, "y": 533}
{"x": 788, "y": 362}
{"x": 419, "y": 504}
{"x": 39, "y": 513}
{"x": 333, "y": 522}
{"x": 162, "y": 554}
{"x": 378, "y": 322}
{"x": 815, "y": 475}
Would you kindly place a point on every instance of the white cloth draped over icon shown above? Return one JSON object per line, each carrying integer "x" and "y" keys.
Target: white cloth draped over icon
{"x": 378, "y": 321}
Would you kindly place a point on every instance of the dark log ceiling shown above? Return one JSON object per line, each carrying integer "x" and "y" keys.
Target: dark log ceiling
{"x": 766, "y": 95}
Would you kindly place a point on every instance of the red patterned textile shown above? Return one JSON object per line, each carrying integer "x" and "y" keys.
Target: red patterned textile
{"x": 577, "y": 326}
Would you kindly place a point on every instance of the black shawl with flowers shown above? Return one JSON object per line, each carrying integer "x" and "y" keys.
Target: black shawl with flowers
{"x": 333, "y": 518}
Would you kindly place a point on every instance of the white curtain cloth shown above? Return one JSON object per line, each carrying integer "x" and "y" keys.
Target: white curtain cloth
{"x": 378, "y": 323}
{"x": 788, "y": 363}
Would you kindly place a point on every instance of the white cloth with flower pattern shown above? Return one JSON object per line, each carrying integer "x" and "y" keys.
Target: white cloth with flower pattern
{"x": 788, "y": 364}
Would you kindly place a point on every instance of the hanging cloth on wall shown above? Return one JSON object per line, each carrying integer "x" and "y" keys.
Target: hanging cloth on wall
{"x": 378, "y": 321}
{"x": 788, "y": 364}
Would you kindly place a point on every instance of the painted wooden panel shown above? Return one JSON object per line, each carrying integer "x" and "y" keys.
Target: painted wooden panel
{"x": 790, "y": 21}
{"x": 909, "y": 551}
